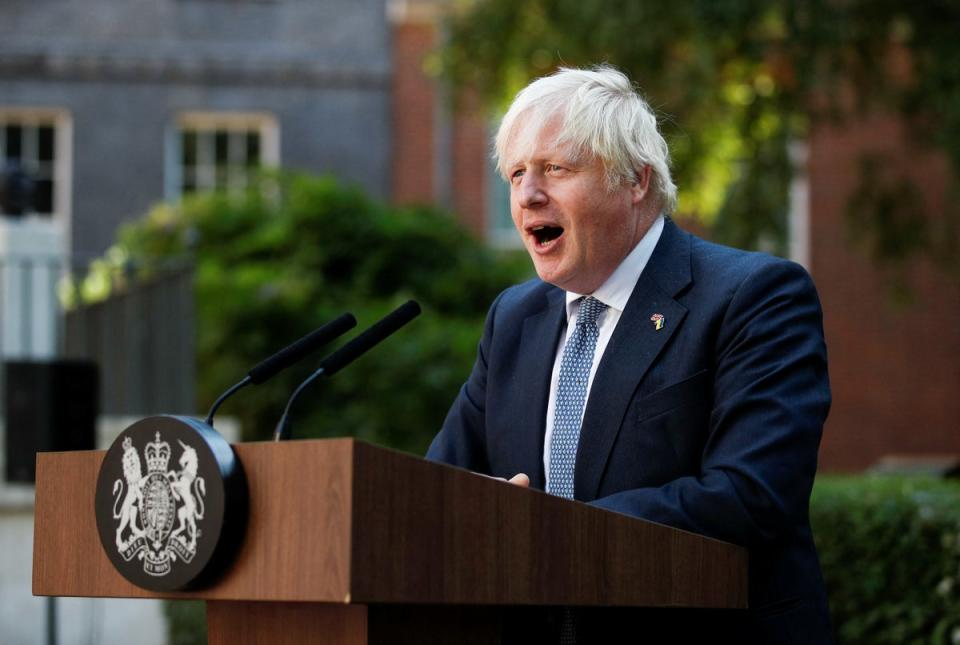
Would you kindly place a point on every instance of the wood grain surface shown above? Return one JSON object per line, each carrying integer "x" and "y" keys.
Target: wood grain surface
{"x": 296, "y": 545}
{"x": 285, "y": 623}
{"x": 339, "y": 521}
{"x": 429, "y": 533}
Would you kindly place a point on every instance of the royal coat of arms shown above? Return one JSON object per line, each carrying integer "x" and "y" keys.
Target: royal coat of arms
{"x": 158, "y": 512}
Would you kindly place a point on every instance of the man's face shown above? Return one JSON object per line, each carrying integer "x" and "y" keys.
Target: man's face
{"x": 576, "y": 230}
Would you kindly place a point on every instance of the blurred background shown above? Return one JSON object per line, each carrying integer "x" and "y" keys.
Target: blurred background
{"x": 188, "y": 185}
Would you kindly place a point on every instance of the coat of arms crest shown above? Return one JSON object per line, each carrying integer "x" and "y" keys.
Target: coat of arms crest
{"x": 148, "y": 506}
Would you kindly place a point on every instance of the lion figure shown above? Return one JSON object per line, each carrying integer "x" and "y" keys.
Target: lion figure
{"x": 131, "y": 494}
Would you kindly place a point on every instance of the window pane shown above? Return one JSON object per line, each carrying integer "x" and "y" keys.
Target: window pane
{"x": 43, "y": 196}
{"x": 220, "y": 147}
{"x": 13, "y": 134}
{"x": 45, "y": 143}
{"x": 188, "y": 144}
{"x": 253, "y": 149}
{"x": 218, "y": 156}
{"x": 189, "y": 180}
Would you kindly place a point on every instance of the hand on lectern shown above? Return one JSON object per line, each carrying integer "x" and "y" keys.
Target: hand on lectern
{"x": 520, "y": 480}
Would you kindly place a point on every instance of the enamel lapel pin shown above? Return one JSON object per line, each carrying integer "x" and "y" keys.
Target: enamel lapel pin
{"x": 658, "y": 321}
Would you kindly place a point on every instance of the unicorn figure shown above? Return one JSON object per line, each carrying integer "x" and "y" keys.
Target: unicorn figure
{"x": 189, "y": 489}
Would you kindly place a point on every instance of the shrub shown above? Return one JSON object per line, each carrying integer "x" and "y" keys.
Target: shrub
{"x": 186, "y": 622}
{"x": 298, "y": 250}
{"x": 890, "y": 552}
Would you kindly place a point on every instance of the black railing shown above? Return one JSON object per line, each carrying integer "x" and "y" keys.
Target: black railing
{"x": 139, "y": 332}
{"x": 142, "y": 336}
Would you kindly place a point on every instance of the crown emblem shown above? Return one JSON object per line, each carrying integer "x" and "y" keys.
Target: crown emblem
{"x": 158, "y": 455}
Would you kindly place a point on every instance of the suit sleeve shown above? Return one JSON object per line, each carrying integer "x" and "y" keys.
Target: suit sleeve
{"x": 460, "y": 441}
{"x": 771, "y": 396}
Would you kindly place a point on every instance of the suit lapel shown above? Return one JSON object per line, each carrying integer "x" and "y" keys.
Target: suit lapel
{"x": 635, "y": 345}
{"x": 538, "y": 346}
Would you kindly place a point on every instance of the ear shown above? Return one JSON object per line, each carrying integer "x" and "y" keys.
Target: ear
{"x": 641, "y": 184}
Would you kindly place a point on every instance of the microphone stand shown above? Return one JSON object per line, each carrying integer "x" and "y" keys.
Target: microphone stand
{"x": 282, "y": 431}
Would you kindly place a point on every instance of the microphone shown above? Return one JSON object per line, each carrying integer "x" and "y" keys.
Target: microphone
{"x": 353, "y": 350}
{"x": 287, "y": 356}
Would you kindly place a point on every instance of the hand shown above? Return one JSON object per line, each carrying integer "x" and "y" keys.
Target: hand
{"x": 520, "y": 480}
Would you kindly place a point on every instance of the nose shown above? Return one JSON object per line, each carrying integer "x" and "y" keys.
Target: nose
{"x": 530, "y": 192}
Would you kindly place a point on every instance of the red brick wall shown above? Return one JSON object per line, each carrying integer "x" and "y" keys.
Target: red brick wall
{"x": 413, "y": 109}
{"x": 894, "y": 368}
{"x": 414, "y": 134}
{"x": 470, "y": 150}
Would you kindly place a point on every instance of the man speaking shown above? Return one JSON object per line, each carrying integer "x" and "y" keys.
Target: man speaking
{"x": 647, "y": 371}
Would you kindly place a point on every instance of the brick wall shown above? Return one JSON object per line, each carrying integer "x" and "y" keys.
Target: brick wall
{"x": 440, "y": 151}
{"x": 413, "y": 101}
{"x": 895, "y": 368}
{"x": 471, "y": 145}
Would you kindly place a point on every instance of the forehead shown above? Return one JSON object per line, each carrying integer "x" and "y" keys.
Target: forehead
{"x": 533, "y": 139}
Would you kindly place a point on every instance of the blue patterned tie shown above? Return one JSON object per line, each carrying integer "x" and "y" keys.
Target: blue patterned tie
{"x": 571, "y": 396}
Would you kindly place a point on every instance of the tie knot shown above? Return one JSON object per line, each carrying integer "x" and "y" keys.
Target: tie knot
{"x": 590, "y": 310}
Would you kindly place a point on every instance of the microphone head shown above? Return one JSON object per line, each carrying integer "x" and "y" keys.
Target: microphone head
{"x": 365, "y": 341}
{"x": 306, "y": 345}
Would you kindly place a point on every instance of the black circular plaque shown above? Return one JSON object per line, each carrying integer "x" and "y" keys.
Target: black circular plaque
{"x": 170, "y": 503}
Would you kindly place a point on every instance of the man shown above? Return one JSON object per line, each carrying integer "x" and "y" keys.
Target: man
{"x": 648, "y": 372}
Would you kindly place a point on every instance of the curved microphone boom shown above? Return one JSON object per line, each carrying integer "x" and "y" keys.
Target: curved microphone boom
{"x": 287, "y": 356}
{"x": 350, "y": 352}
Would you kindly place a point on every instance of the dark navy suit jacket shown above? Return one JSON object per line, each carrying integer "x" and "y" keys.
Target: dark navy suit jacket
{"x": 710, "y": 424}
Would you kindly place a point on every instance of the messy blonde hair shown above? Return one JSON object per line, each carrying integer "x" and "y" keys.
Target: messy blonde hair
{"x": 601, "y": 115}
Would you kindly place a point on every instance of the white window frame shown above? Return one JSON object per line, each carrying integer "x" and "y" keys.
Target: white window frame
{"x": 501, "y": 233}
{"x": 206, "y": 123}
{"x": 798, "y": 217}
{"x": 60, "y": 173}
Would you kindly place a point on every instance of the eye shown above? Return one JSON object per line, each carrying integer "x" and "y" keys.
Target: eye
{"x": 516, "y": 175}
{"x": 554, "y": 168}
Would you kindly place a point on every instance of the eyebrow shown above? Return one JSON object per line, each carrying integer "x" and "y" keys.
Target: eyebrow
{"x": 552, "y": 156}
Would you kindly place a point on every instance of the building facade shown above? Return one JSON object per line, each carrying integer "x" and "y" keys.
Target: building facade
{"x": 113, "y": 106}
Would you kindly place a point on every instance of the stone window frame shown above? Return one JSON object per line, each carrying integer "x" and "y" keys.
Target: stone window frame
{"x": 210, "y": 138}
{"x": 58, "y": 170}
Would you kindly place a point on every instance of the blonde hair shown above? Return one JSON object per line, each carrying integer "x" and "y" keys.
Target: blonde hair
{"x": 601, "y": 115}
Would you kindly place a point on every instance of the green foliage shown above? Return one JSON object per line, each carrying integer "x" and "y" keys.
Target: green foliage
{"x": 890, "y": 552}
{"x": 720, "y": 104}
{"x": 296, "y": 251}
{"x": 186, "y": 622}
{"x": 735, "y": 81}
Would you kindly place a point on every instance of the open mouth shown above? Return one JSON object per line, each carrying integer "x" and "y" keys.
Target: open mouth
{"x": 546, "y": 234}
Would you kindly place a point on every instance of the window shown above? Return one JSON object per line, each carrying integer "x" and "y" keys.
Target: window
{"x": 36, "y": 142}
{"x": 219, "y": 151}
{"x": 500, "y": 229}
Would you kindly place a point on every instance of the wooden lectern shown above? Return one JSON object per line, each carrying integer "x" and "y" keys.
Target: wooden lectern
{"x": 352, "y": 543}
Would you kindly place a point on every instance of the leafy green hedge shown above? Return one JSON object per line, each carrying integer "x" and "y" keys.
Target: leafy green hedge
{"x": 890, "y": 552}
{"x": 186, "y": 622}
{"x": 297, "y": 250}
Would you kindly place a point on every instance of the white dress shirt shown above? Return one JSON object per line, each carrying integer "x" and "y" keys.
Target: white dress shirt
{"x": 614, "y": 293}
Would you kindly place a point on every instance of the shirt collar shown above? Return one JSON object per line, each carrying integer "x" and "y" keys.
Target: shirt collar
{"x": 617, "y": 289}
